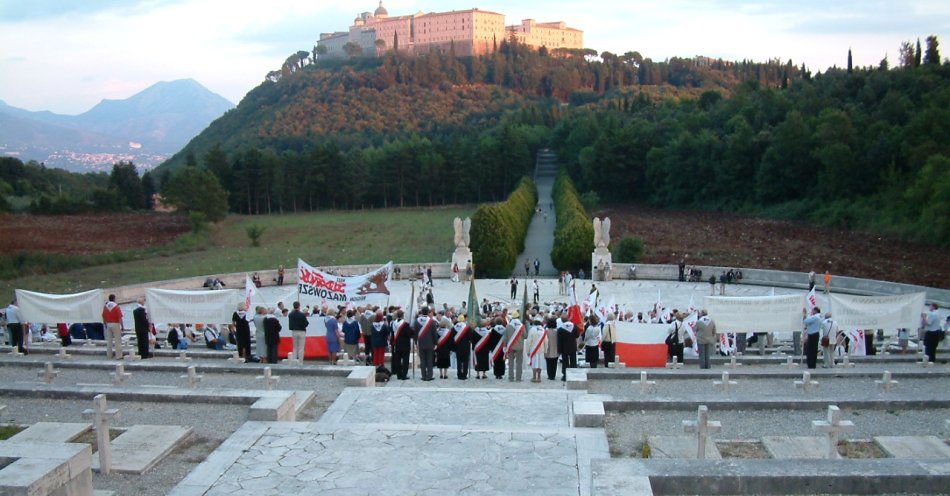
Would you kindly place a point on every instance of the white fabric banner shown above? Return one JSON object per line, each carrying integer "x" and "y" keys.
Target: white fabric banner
{"x": 877, "y": 312}
{"x": 41, "y": 308}
{"x": 756, "y": 313}
{"x": 318, "y": 288}
{"x": 192, "y": 307}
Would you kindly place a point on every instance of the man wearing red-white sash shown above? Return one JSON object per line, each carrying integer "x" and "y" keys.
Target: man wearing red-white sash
{"x": 402, "y": 346}
{"x": 536, "y": 341}
{"x": 481, "y": 348}
{"x": 514, "y": 348}
{"x": 463, "y": 348}
{"x": 444, "y": 346}
{"x": 496, "y": 341}
{"x": 424, "y": 333}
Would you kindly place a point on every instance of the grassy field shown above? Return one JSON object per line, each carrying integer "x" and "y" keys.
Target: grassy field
{"x": 321, "y": 238}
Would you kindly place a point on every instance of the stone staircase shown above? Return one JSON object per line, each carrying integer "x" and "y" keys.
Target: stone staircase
{"x": 546, "y": 165}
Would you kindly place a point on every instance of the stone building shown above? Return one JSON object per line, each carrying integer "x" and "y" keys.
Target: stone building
{"x": 472, "y": 32}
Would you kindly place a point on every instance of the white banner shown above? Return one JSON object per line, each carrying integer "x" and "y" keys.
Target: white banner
{"x": 40, "y": 308}
{"x": 319, "y": 288}
{"x": 877, "y": 312}
{"x": 192, "y": 307}
{"x": 756, "y": 313}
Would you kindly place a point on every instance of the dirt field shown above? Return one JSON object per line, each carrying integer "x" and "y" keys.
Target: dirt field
{"x": 87, "y": 234}
{"x": 715, "y": 238}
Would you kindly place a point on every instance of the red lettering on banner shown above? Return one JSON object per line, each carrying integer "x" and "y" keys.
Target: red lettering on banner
{"x": 314, "y": 278}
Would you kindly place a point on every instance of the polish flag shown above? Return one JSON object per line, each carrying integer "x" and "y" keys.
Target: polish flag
{"x": 574, "y": 310}
{"x": 249, "y": 291}
{"x": 811, "y": 300}
{"x": 690, "y": 323}
{"x": 641, "y": 345}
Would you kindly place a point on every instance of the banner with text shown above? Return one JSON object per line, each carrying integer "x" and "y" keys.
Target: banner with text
{"x": 41, "y": 308}
{"x": 192, "y": 307}
{"x": 316, "y": 287}
{"x": 756, "y": 313}
{"x": 877, "y": 312}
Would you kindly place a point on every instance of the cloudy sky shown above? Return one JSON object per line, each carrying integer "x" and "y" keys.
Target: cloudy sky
{"x": 66, "y": 55}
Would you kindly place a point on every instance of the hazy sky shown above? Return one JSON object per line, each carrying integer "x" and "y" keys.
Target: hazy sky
{"x": 66, "y": 55}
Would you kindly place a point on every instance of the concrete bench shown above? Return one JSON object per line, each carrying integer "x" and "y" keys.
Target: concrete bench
{"x": 362, "y": 377}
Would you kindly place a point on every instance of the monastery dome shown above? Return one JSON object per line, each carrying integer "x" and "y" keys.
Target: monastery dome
{"x": 380, "y": 11}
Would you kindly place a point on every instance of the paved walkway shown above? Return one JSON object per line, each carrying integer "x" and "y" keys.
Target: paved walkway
{"x": 540, "y": 238}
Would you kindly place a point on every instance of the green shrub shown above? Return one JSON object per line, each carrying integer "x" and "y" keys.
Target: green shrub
{"x": 590, "y": 201}
{"x": 254, "y": 233}
{"x": 573, "y": 231}
{"x": 629, "y": 250}
{"x": 199, "y": 222}
{"x": 499, "y": 229}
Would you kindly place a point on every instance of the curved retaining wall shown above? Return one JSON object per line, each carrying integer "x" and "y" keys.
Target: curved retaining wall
{"x": 784, "y": 279}
{"x": 235, "y": 280}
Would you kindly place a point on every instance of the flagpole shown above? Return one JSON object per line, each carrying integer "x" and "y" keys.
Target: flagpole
{"x": 412, "y": 343}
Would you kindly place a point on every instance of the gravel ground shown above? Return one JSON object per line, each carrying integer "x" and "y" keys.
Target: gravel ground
{"x": 70, "y": 377}
{"x": 472, "y": 383}
{"x": 627, "y": 431}
{"x": 778, "y": 389}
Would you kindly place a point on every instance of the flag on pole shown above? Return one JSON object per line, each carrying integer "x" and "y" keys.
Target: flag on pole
{"x": 249, "y": 291}
{"x": 574, "y": 310}
{"x": 811, "y": 300}
{"x": 474, "y": 312}
{"x": 524, "y": 303}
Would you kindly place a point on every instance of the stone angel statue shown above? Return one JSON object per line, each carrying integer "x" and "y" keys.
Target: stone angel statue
{"x": 601, "y": 232}
{"x": 462, "y": 227}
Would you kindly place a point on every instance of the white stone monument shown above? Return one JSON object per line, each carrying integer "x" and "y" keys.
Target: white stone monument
{"x": 120, "y": 375}
{"x": 462, "y": 257}
{"x": 806, "y": 384}
{"x": 101, "y": 417}
{"x": 193, "y": 377}
{"x": 702, "y": 427}
{"x": 725, "y": 385}
{"x": 601, "y": 260}
{"x": 645, "y": 385}
{"x": 833, "y": 426}
{"x": 269, "y": 380}
{"x": 886, "y": 383}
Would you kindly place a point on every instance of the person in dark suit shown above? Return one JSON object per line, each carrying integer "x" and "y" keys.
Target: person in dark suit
{"x": 140, "y": 316}
{"x": 242, "y": 330}
{"x": 271, "y": 335}
{"x": 567, "y": 347}
{"x": 424, "y": 333}
{"x": 402, "y": 344}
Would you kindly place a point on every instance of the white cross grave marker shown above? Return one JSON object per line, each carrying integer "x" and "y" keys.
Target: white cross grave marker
{"x": 702, "y": 427}
{"x": 806, "y": 383}
{"x": 62, "y": 353}
{"x": 182, "y": 356}
{"x": 833, "y": 426}
{"x": 886, "y": 384}
{"x": 674, "y": 364}
{"x": 733, "y": 362}
{"x": 132, "y": 356}
{"x": 725, "y": 385}
{"x": 120, "y": 375}
{"x": 645, "y": 385}
{"x": 102, "y": 416}
{"x": 15, "y": 352}
{"x": 846, "y": 362}
{"x": 269, "y": 380}
{"x": 790, "y": 362}
{"x": 925, "y": 362}
{"x": 291, "y": 359}
{"x": 236, "y": 357}
{"x": 48, "y": 374}
{"x": 193, "y": 377}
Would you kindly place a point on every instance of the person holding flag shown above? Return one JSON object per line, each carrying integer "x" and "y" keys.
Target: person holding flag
{"x": 536, "y": 340}
{"x": 514, "y": 348}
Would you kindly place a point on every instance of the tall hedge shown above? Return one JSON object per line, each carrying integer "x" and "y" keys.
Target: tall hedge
{"x": 573, "y": 231}
{"x": 499, "y": 229}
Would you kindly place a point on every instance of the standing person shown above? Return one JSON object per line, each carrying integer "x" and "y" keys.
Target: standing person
{"x": 271, "y": 335}
{"x": 560, "y": 284}
{"x": 514, "y": 288}
{"x": 527, "y": 268}
{"x": 534, "y": 345}
{"x": 827, "y": 282}
{"x": 550, "y": 347}
{"x": 567, "y": 347}
{"x": 351, "y": 336}
{"x": 463, "y": 347}
{"x": 366, "y": 328}
{"x": 242, "y": 330}
{"x": 379, "y": 335}
{"x": 444, "y": 347}
{"x": 333, "y": 337}
{"x": 933, "y": 333}
{"x": 297, "y": 322}
{"x": 112, "y": 318}
{"x": 674, "y": 339}
{"x": 811, "y": 280}
{"x": 537, "y": 266}
{"x": 140, "y": 316}
{"x": 608, "y": 339}
{"x": 722, "y": 283}
{"x": 15, "y": 327}
{"x": 402, "y": 346}
{"x": 515, "y": 333}
{"x": 829, "y": 340}
{"x": 712, "y": 285}
{"x": 455, "y": 272}
{"x": 682, "y": 270}
{"x": 592, "y": 337}
{"x": 424, "y": 334}
{"x": 260, "y": 343}
{"x": 497, "y": 345}
{"x": 537, "y": 292}
{"x": 429, "y": 275}
{"x": 580, "y": 274}
{"x": 812, "y": 325}
{"x": 280, "y": 275}
{"x": 481, "y": 349}
{"x": 706, "y": 334}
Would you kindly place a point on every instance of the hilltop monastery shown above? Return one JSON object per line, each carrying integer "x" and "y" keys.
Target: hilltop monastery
{"x": 473, "y": 31}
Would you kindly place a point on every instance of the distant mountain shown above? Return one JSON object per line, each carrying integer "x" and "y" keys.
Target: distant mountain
{"x": 147, "y": 128}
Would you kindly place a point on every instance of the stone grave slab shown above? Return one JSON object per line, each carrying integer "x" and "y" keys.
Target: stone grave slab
{"x": 914, "y": 447}
{"x": 45, "y": 468}
{"x": 679, "y": 447}
{"x": 796, "y": 447}
{"x": 52, "y": 432}
{"x": 142, "y": 446}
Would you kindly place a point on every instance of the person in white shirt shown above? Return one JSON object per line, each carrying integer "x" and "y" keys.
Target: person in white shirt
{"x": 829, "y": 340}
{"x": 592, "y": 337}
{"x": 933, "y": 333}
{"x": 15, "y": 327}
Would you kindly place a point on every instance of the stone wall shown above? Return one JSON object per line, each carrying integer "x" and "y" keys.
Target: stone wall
{"x": 235, "y": 280}
{"x": 784, "y": 279}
